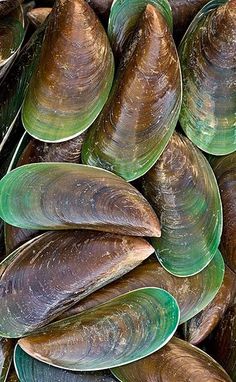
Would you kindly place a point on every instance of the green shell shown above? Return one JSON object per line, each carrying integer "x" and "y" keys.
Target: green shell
{"x": 207, "y": 56}
{"x": 192, "y": 293}
{"x": 69, "y": 196}
{"x": 121, "y": 331}
{"x": 124, "y": 16}
{"x": 31, "y": 370}
{"x": 74, "y": 76}
{"x": 183, "y": 191}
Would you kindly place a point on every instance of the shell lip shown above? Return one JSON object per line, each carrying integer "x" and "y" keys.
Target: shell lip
{"x": 36, "y": 356}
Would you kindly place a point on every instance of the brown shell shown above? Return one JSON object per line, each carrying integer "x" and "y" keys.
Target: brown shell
{"x": 200, "y": 326}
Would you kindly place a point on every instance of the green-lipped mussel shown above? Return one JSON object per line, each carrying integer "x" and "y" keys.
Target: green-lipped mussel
{"x": 67, "y": 195}
{"x": 73, "y": 77}
{"x": 183, "y": 191}
{"x": 54, "y": 270}
{"x": 142, "y": 111}
{"x": 207, "y": 56}
{"x": 125, "y": 329}
{"x": 31, "y": 370}
{"x": 178, "y": 361}
{"x": 201, "y": 325}
{"x": 225, "y": 171}
{"x": 191, "y": 293}
{"x": 37, "y": 16}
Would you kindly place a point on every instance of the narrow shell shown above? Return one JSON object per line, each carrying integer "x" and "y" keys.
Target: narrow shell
{"x": 183, "y": 191}
{"x": 141, "y": 114}
{"x": 200, "y": 326}
{"x": 207, "y": 55}
{"x": 223, "y": 342}
{"x": 37, "y": 16}
{"x": 225, "y": 171}
{"x": 13, "y": 86}
{"x": 31, "y": 370}
{"x": 121, "y": 331}
{"x": 191, "y": 293}
{"x": 55, "y": 270}
{"x": 178, "y": 361}
{"x": 66, "y": 196}
{"x": 74, "y": 75}
{"x": 6, "y": 352}
{"x": 124, "y": 16}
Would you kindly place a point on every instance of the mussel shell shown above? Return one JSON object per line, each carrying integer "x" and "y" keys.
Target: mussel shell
{"x": 38, "y": 15}
{"x": 14, "y": 84}
{"x": 125, "y": 329}
{"x": 222, "y": 343}
{"x": 183, "y": 13}
{"x": 11, "y": 36}
{"x": 191, "y": 293}
{"x": 142, "y": 111}
{"x": 33, "y": 151}
{"x": 183, "y": 191}
{"x": 124, "y": 16}
{"x": 32, "y": 370}
{"x": 55, "y": 270}
{"x": 201, "y": 325}
{"x": 6, "y": 352}
{"x": 66, "y": 196}
{"x": 74, "y": 75}
{"x": 7, "y": 6}
{"x": 207, "y": 56}
{"x": 178, "y": 361}
{"x": 102, "y": 9}
{"x": 225, "y": 171}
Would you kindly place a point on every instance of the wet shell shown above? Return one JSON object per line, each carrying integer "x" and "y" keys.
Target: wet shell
{"x": 142, "y": 111}
{"x": 223, "y": 342}
{"x": 200, "y": 326}
{"x": 74, "y": 75}
{"x": 66, "y": 196}
{"x": 191, "y": 293}
{"x": 121, "y": 331}
{"x": 29, "y": 369}
{"x": 55, "y": 270}
{"x": 207, "y": 56}
{"x": 183, "y": 191}
{"x": 225, "y": 171}
{"x": 38, "y": 15}
{"x": 15, "y": 237}
{"x": 6, "y": 352}
{"x": 14, "y": 84}
{"x": 178, "y": 361}
{"x": 123, "y": 19}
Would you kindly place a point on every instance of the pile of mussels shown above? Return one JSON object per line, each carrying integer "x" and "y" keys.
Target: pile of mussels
{"x": 118, "y": 202}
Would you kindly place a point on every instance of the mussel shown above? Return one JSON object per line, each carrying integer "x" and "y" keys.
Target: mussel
{"x": 67, "y": 195}
{"x": 31, "y": 370}
{"x": 11, "y": 36}
{"x": 183, "y": 191}
{"x": 178, "y": 361}
{"x": 141, "y": 114}
{"x": 191, "y": 293}
{"x": 73, "y": 77}
{"x": 123, "y": 19}
{"x": 56, "y": 269}
{"x": 127, "y": 328}
{"x": 6, "y": 353}
{"x": 222, "y": 342}
{"x": 15, "y": 82}
{"x": 225, "y": 171}
{"x": 201, "y": 325}
{"x": 207, "y": 56}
